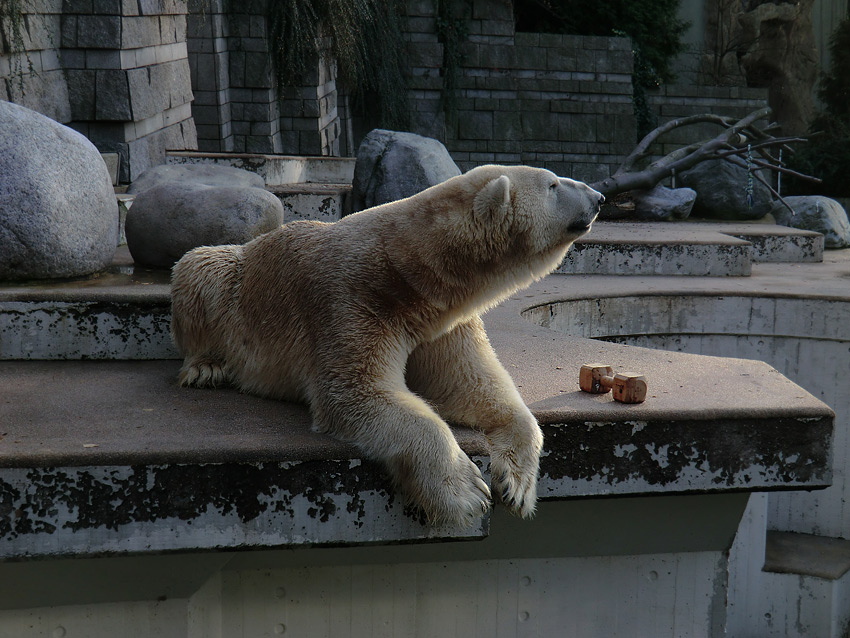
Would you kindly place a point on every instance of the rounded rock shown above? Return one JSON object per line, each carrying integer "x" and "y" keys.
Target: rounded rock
{"x": 58, "y": 211}
{"x": 817, "y": 213}
{"x": 392, "y": 165}
{"x": 721, "y": 189}
{"x": 168, "y": 220}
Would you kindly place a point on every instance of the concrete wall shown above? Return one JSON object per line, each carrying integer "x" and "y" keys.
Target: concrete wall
{"x": 805, "y": 340}
{"x": 674, "y": 101}
{"x": 562, "y": 102}
{"x": 35, "y": 79}
{"x": 528, "y": 578}
{"x": 125, "y": 73}
{"x": 557, "y": 101}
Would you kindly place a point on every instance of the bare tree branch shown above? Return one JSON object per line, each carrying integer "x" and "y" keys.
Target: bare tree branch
{"x": 729, "y": 145}
{"x": 772, "y": 190}
{"x": 642, "y": 149}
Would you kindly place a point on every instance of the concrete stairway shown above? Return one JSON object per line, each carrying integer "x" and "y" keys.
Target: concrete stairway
{"x": 308, "y": 187}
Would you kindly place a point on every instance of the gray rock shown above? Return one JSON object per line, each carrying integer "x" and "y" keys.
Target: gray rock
{"x": 172, "y": 218}
{"x": 207, "y": 174}
{"x": 392, "y": 165}
{"x": 721, "y": 189}
{"x": 58, "y": 213}
{"x": 820, "y": 214}
{"x": 663, "y": 204}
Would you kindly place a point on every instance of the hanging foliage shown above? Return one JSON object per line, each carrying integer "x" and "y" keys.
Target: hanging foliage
{"x": 12, "y": 43}
{"x": 364, "y": 36}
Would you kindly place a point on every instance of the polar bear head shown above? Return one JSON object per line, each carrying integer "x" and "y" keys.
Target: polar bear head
{"x": 487, "y": 233}
{"x": 548, "y": 211}
{"x": 506, "y": 218}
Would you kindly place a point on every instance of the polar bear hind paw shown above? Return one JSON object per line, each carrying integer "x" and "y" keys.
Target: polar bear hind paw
{"x": 201, "y": 372}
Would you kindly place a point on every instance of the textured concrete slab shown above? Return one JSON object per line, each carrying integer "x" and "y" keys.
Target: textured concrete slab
{"x": 713, "y": 249}
{"x": 276, "y": 169}
{"x": 613, "y": 248}
{"x": 146, "y": 466}
{"x": 771, "y": 242}
{"x": 806, "y": 555}
{"x": 322, "y": 202}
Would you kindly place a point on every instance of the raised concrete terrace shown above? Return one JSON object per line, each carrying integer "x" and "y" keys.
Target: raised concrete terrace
{"x": 121, "y": 427}
{"x": 102, "y": 455}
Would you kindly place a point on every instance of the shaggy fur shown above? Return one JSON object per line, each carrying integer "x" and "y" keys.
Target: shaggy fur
{"x": 374, "y": 322}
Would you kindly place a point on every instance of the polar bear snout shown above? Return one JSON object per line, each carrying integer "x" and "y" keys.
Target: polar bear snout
{"x": 589, "y": 210}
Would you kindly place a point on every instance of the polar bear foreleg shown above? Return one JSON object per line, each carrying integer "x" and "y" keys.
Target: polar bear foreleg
{"x": 461, "y": 376}
{"x": 396, "y": 427}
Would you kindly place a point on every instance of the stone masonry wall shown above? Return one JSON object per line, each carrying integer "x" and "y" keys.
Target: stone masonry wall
{"x": 670, "y": 102}
{"x": 561, "y": 102}
{"x": 35, "y": 79}
{"x": 237, "y": 105}
{"x": 116, "y": 70}
{"x": 128, "y": 78}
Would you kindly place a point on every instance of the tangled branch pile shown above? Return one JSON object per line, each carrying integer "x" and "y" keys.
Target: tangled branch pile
{"x": 739, "y": 139}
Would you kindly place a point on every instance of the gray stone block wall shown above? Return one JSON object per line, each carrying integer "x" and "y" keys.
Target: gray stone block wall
{"x": 670, "y": 102}
{"x": 116, "y": 70}
{"x": 560, "y": 102}
{"x": 127, "y": 69}
{"x": 237, "y": 105}
{"x": 126, "y": 72}
{"x": 34, "y": 79}
{"x": 209, "y": 61}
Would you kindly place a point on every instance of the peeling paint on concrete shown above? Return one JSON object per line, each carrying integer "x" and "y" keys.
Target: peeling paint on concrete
{"x": 658, "y": 259}
{"x": 85, "y": 330}
{"x": 700, "y": 456}
{"x": 103, "y": 510}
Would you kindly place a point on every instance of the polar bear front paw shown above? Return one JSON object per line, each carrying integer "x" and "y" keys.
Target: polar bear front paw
{"x": 456, "y": 494}
{"x": 514, "y": 463}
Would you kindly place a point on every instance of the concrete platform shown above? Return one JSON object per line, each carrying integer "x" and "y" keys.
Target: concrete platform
{"x": 277, "y": 170}
{"x": 701, "y": 249}
{"x": 139, "y": 498}
{"x": 191, "y": 470}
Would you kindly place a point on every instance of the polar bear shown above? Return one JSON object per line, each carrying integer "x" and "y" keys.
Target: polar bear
{"x": 374, "y": 322}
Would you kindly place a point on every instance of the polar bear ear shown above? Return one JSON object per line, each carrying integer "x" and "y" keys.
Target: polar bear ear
{"x": 492, "y": 200}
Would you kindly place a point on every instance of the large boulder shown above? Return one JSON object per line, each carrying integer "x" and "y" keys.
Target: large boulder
{"x": 721, "y": 189}
{"x": 663, "y": 204}
{"x": 171, "y": 218}
{"x": 207, "y": 174}
{"x": 392, "y": 165}
{"x": 58, "y": 212}
{"x": 817, "y": 213}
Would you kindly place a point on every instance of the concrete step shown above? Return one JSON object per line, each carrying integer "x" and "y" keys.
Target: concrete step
{"x": 277, "y": 170}
{"x": 688, "y": 248}
{"x": 308, "y": 187}
{"x": 322, "y": 202}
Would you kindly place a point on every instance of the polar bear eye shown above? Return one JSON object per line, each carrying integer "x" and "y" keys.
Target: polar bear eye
{"x": 553, "y": 186}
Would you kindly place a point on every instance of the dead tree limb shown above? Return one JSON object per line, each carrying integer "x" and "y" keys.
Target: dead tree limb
{"x": 737, "y": 138}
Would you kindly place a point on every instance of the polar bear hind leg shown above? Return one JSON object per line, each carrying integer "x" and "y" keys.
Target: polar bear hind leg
{"x": 203, "y": 285}
{"x": 201, "y": 371}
